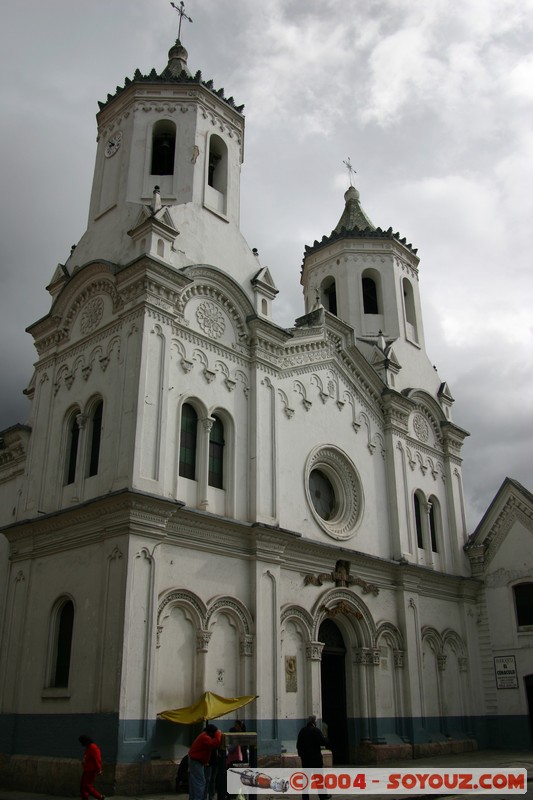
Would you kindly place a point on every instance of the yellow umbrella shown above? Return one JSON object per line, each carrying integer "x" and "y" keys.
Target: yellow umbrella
{"x": 209, "y": 706}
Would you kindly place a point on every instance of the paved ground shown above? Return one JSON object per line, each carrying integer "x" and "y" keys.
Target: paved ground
{"x": 491, "y": 759}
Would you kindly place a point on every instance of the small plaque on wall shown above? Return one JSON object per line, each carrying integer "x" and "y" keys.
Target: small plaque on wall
{"x": 505, "y": 669}
{"x": 291, "y": 684}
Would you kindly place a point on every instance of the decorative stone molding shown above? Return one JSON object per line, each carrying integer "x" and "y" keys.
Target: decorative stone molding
{"x": 342, "y": 607}
{"x": 91, "y": 314}
{"x": 363, "y": 656}
{"x": 421, "y": 427}
{"x": 338, "y": 469}
{"x": 291, "y": 674}
{"x": 233, "y": 608}
{"x": 313, "y": 651}
{"x": 116, "y": 553}
{"x": 210, "y": 319}
{"x": 246, "y": 645}
{"x": 399, "y": 658}
{"x": 463, "y": 663}
{"x": 341, "y": 577}
{"x": 441, "y": 661}
{"x": 217, "y": 298}
{"x": 82, "y": 420}
{"x": 289, "y": 412}
{"x": 202, "y": 641}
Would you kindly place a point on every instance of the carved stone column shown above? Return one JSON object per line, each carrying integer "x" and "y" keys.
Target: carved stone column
{"x": 362, "y": 658}
{"x": 246, "y": 651}
{"x": 203, "y": 461}
{"x": 313, "y": 657}
{"x": 202, "y": 645}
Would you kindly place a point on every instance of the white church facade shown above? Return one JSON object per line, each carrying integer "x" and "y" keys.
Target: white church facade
{"x": 204, "y": 500}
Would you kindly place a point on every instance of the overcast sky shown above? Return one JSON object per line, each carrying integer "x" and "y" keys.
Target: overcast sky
{"x": 431, "y": 99}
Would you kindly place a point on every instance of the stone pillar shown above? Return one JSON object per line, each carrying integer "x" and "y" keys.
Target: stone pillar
{"x": 202, "y": 646}
{"x": 313, "y": 700}
{"x": 203, "y": 461}
{"x": 363, "y": 657}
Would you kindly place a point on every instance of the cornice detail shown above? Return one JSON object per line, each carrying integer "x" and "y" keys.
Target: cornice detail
{"x": 341, "y": 577}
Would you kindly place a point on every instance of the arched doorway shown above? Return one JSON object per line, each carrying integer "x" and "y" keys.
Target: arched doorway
{"x": 333, "y": 686}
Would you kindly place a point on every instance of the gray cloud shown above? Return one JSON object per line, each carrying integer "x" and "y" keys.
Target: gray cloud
{"x": 433, "y": 108}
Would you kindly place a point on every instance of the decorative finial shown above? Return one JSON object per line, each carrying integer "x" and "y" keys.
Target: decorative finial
{"x": 181, "y": 11}
{"x": 351, "y": 171}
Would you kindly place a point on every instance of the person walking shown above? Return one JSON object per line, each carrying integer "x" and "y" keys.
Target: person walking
{"x": 199, "y": 756}
{"x": 309, "y": 743}
{"x": 91, "y": 768}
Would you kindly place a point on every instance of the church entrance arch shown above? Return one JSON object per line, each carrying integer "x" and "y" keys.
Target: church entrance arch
{"x": 333, "y": 688}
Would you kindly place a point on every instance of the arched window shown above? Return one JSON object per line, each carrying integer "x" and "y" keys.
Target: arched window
{"x": 410, "y": 312}
{"x": 418, "y": 521}
{"x": 72, "y": 449}
{"x": 216, "y": 454}
{"x": 96, "y": 436}
{"x": 329, "y": 294}
{"x": 523, "y": 599}
{"x": 62, "y": 645}
{"x": 189, "y": 428}
{"x": 370, "y": 296}
{"x": 217, "y": 168}
{"x": 163, "y": 147}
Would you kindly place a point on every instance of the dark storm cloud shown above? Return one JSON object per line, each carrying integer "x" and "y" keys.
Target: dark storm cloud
{"x": 433, "y": 108}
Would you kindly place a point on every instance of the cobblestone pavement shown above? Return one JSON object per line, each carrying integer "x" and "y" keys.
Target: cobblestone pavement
{"x": 490, "y": 759}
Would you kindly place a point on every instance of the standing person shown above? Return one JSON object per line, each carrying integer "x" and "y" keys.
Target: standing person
{"x": 92, "y": 767}
{"x": 211, "y": 776}
{"x": 310, "y": 740}
{"x": 199, "y": 757}
{"x": 235, "y": 755}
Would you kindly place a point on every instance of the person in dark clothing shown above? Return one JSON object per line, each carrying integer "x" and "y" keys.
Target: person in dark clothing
{"x": 309, "y": 743}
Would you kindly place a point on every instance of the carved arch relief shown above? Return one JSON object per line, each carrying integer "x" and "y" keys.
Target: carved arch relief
{"x": 208, "y": 310}
{"x": 88, "y": 309}
{"x": 340, "y": 604}
{"x": 83, "y": 364}
{"x": 445, "y": 673}
{"x": 212, "y": 368}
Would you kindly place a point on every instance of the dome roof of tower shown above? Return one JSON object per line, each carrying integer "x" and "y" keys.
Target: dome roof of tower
{"x": 355, "y": 224}
{"x": 176, "y": 71}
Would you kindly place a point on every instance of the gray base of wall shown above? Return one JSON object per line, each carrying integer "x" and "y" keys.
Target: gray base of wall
{"x": 42, "y": 753}
{"x": 61, "y": 776}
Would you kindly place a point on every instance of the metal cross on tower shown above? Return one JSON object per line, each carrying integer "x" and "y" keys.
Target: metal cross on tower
{"x": 351, "y": 171}
{"x": 181, "y": 11}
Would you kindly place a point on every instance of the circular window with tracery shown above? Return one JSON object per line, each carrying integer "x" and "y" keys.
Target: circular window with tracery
{"x": 333, "y": 490}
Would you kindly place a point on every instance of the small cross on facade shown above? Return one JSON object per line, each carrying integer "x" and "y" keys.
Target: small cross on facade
{"x": 181, "y": 11}
{"x": 351, "y": 171}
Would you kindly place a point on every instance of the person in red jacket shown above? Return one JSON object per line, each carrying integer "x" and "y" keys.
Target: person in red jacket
{"x": 199, "y": 757}
{"x": 92, "y": 767}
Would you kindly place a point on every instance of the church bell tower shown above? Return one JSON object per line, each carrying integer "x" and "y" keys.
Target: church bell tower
{"x": 167, "y": 174}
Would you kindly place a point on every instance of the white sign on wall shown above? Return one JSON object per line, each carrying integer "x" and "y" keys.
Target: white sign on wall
{"x": 505, "y": 669}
